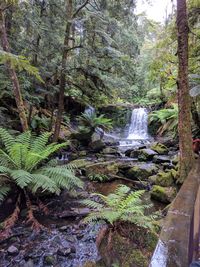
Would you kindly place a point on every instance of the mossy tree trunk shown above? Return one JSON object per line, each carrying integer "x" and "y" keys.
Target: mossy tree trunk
{"x": 184, "y": 101}
{"x": 12, "y": 73}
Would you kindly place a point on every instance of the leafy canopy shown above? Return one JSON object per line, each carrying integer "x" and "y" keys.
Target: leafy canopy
{"x": 22, "y": 164}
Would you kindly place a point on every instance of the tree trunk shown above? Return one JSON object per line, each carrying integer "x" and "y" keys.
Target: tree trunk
{"x": 69, "y": 10}
{"x": 184, "y": 101}
{"x": 12, "y": 74}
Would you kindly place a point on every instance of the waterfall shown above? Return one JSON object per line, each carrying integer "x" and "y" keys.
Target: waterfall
{"x": 138, "y": 128}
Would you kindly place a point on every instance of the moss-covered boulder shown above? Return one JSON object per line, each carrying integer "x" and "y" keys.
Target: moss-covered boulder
{"x": 110, "y": 150}
{"x": 97, "y": 146}
{"x": 164, "y": 179}
{"x": 104, "y": 168}
{"x": 146, "y": 154}
{"x": 160, "y": 148}
{"x": 141, "y": 171}
{"x": 163, "y": 194}
{"x": 161, "y": 159}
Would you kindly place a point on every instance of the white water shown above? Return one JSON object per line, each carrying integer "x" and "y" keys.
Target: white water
{"x": 138, "y": 129}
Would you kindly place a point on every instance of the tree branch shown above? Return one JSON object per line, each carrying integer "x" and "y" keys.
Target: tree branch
{"x": 79, "y": 9}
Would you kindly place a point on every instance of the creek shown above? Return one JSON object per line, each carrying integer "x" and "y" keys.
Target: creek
{"x": 67, "y": 241}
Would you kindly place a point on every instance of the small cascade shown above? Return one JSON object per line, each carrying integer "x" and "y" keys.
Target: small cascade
{"x": 138, "y": 129}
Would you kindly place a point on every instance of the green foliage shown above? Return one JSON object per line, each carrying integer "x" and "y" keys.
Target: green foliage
{"x": 99, "y": 177}
{"x": 122, "y": 205}
{"x": 20, "y": 63}
{"x": 92, "y": 121}
{"x": 168, "y": 117}
{"x": 24, "y": 163}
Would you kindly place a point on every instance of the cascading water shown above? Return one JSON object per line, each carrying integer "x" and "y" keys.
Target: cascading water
{"x": 138, "y": 127}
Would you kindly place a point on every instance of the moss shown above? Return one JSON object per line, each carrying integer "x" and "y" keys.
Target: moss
{"x": 164, "y": 179}
{"x": 160, "y": 148}
{"x": 136, "y": 259}
{"x": 163, "y": 194}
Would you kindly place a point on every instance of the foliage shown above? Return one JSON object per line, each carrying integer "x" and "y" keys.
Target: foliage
{"x": 92, "y": 121}
{"x": 23, "y": 164}
{"x": 122, "y": 205}
{"x": 98, "y": 177}
{"x": 168, "y": 117}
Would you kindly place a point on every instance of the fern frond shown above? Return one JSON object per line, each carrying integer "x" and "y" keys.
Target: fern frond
{"x": 40, "y": 142}
{"x": 44, "y": 182}
{"x": 21, "y": 177}
{"x": 7, "y": 139}
{"x": 4, "y": 190}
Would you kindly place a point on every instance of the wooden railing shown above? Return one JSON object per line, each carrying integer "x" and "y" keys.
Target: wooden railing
{"x": 179, "y": 239}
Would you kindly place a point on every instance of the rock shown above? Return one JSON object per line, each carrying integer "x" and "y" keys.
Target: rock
{"x": 163, "y": 194}
{"x": 159, "y": 148}
{"x": 164, "y": 179}
{"x": 64, "y": 252}
{"x": 108, "y": 167}
{"x": 29, "y": 263}
{"x": 96, "y": 137}
{"x": 146, "y": 154}
{"x": 175, "y": 160}
{"x": 167, "y": 166}
{"x": 152, "y": 179}
{"x": 82, "y": 153}
{"x": 12, "y": 250}
{"x": 80, "y": 163}
{"x": 97, "y": 146}
{"x": 161, "y": 159}
{"x": 110, "y": 150}
{"x": 133, "y": 153}
{"x": 142, "y": 171}
{"x": 49, "y": 260}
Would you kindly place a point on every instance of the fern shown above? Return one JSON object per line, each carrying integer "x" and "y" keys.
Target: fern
{"x": 21, "y": 162}
{"x": 122, "y": 205}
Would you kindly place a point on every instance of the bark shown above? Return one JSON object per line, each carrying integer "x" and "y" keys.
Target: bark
{"x": 69, "y": 15}
{"x": 184, "y": 101}
{"x": 12, "y": 74}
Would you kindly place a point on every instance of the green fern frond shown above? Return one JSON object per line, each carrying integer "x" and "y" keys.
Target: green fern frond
{"x": 4, "y": 190}
{"x": 7, "y": 139}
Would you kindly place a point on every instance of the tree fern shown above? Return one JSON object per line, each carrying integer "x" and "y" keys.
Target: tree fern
{"x": 122, "y": 205}
{"x": 21, "y": 162}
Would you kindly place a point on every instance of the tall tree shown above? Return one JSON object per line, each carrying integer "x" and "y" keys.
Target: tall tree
{"x": 184, "y": 101}
{"x": 11, "y": 70}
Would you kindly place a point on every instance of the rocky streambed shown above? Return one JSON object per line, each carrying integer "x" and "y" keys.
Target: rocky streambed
{"x": 67, "y": 241}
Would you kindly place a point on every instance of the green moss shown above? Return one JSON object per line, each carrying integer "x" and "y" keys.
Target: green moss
{"x": 160, "y": 148}
{"x": 163, "y": 194}
{"x": 164, "y": 179}
{"x": 136, "y": 259}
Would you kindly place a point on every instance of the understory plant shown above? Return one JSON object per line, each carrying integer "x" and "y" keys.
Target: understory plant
{"x": 91, "y": 122}
{"x": 25, "y": 168}
{"x": 168, "y": 118}
{"x": 123, "y": 205}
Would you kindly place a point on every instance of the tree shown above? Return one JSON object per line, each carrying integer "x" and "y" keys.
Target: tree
{"x": 184, "y": 101}
{"x": 11, "y": 70}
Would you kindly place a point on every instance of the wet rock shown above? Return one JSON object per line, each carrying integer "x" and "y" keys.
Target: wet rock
{"x": 142, "y": 171}
{"x": 49, "y": 260}
{"x": 175, "y": 159}
{"x": 96, "y": 137}
{"x": 160, "y": 148}
{"x": 163, "y": 194}
{"x": 12, "y": 250}
{"x": 110, "y": 150}
{"x": 167, "y": 166}
{"x": 161, "y": 159}
{"x": 146, "y": 154}
{"x": 109, "y": 167}
{"x": 164, "y": 179}
{"x": 64, "y": 252}
{"x": 97, "y": 146}
{"x": 29, "y": 263}
{"x": 133, "y": 153}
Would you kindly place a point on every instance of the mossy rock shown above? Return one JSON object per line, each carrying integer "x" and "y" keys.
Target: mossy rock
{"x": 163, "y": 194}
{"x": 175, "y": 160}
{"x": 105, "y": 168}
{"x": 141, "y": 172}
{"x": 80, "y": 163}
{"x": 160, "y": 148}
{"x": 164, "y": 179}
{"x": 146, "y": 154}
{"x": 136, "y": 259}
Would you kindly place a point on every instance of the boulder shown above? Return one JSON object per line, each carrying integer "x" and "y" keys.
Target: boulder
{"x": 161, "y": 159}
{"x": 110, "y": 150}
{"x": 160, "y": 148}
{"x": 106, "y": 168}
{"x": 163, "y": 194}
{"x": 95, "y": 137}
{"x": 141, "y": 171}
{"x": 97, "y": 145}
{"x": 146, "y": 154}
{"x": 134, "y": 151}
{"x": 164, "y": 179}
{"x": 12, "y": 250}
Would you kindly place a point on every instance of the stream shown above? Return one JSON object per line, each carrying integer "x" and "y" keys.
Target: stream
{"x": 67, "y": 241}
